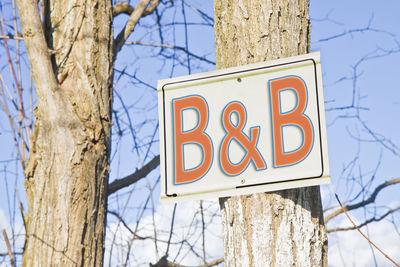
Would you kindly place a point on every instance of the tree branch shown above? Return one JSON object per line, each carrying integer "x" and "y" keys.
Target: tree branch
{"x": 122, "y": 8}
{"x": 5, "y": 254}
{"x": 163, "y": 262}
{"x": 125, "y": 8}
{"x": 363, "y": 203}
{"x": 36, "y": 46}
{"x": 136, "y": 13}
{"x": 134, "y": 177}
{"x": 10, "y": 36}
{"x": 373, "y": 219}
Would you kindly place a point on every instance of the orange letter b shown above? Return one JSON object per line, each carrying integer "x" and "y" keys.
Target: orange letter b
{"x": 196, "y": 136}
{"x": 295, "y": 117}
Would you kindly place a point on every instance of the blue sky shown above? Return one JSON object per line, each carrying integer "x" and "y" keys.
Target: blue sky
{"x": 355, "y": 29}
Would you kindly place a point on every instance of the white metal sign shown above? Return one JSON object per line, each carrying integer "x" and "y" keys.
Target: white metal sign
{"x": 242, "y": 130}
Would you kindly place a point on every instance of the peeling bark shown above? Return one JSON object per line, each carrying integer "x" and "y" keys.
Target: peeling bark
{"x": 67, "y": 171}
{"x": 282, "y": 228}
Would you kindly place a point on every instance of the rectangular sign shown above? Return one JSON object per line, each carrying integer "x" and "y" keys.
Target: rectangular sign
{"x": 243, "y": 130}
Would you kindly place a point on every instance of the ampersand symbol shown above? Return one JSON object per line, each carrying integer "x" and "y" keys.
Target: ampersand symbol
{"x": 235, "y": 132}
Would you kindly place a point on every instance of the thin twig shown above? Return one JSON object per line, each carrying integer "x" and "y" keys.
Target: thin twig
{"x": 137, "y": 226}
{"x": 10, "y": 254}
{"x": 172, "y": 229}
{"x": 203, "y": 231}
{"x": 21, "y": 109}
{"x": 10, "y": 36}
{"x": 173, "y": 47}
{"x": 24, "y": 215}
{"x": 358, "y": 229}
{"x": 12, "y": 124}
{"x": 186, "y": 37}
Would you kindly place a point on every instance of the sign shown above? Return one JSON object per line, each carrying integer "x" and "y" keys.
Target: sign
{"x": 242, "y": 130}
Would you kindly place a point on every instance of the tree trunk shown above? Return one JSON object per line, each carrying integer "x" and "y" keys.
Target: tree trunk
{"x": 282, "y": 228}
{"x": 67, "y": 170}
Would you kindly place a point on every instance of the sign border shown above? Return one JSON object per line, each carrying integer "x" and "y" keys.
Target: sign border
{"x": 174, "y": 195}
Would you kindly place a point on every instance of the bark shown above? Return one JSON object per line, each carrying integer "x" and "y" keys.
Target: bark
{"x": 282, "y": 228}
{"x": 67, "y": 170}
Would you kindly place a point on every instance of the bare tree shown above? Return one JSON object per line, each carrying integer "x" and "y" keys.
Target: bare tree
{"x": 71, "y": 60}
{"x": 72, "y": 53}
{"x": 281, "y": 228}
{"x": 67, "y": 169}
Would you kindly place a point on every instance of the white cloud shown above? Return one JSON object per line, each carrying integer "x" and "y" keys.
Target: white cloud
{"x": 349, "y": 248}
{"x": 187, "y": 226}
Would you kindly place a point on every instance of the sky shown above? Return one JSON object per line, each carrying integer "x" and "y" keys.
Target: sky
{"x": 355, "y": 38}
{"x": 378, "y": 91}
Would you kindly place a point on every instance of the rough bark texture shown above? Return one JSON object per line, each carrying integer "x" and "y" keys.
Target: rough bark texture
{"x": 282, "y": 228}
{"x": 67, "y": 170}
